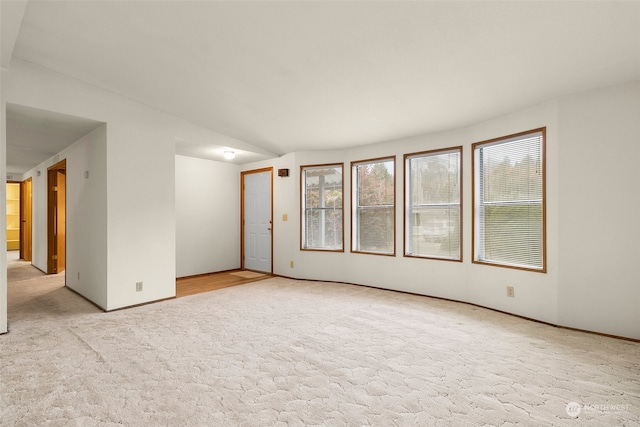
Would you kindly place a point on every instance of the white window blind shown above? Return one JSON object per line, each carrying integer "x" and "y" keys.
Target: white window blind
{"x": 374, "y": 206}
{"x": 322, "y": 224}
{"x": 433, "y": 208}
{"x": 509, "y": 201}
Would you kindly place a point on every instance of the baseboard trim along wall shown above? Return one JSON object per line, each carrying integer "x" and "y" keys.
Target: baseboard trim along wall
{"x": 119, "y": 308}
{"x": 475, "y": 305}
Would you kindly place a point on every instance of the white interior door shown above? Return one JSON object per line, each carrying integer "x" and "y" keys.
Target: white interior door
{"x": 257, "y": 221}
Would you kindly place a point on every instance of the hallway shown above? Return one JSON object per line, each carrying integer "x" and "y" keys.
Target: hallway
{"x": 18, "y": 269}
{"x": 31, "y": 293}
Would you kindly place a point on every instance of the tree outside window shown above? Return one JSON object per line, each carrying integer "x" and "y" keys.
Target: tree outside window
{"x": 373, "y": 229}
{"x": 322, "y": 224}
{"x": 509, "y": 201}
{"x": 433, "y": 204}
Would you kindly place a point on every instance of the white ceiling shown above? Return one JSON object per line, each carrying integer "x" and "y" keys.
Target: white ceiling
{"x": 299, "y": 75}
{"x": 35, "y": 135}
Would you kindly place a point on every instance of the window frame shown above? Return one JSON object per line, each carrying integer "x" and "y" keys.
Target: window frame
{"x": 303, "y": 207}
{"x": 354, "y": 205}
{"x": 406, "y": 201}
{"x": 474, "y": 248}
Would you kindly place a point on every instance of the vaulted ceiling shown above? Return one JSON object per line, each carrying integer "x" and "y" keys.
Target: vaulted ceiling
{"x": 290, "y": 76}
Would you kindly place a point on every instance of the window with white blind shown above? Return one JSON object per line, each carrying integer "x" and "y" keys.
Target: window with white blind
{"x": 373, "y": 206}
{"x": 509, "y": 201}
{"x": 322, "y": 221}
{"x": 433, "y": 211}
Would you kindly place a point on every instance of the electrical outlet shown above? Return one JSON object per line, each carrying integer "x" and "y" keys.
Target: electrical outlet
{"x": 138, "y": 286}
{"x": 78, "y": 275}
{"x": 510, "y": 292}
{"x": 291, "y": 264}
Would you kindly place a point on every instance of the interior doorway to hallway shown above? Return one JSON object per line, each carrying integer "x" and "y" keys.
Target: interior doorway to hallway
{"x": 57, "y": 217}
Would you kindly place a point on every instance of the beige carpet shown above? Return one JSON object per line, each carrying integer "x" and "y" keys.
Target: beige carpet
{"x": 281, "y": 352}
{"x": 18, "y": 269}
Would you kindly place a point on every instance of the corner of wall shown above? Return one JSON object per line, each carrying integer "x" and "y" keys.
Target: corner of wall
{"x": 3, "y": 196}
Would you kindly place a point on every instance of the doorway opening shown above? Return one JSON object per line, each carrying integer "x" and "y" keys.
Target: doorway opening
{"x": 13, "y": 216}
{"x": 256, "y": 210}
{"x": 57, "y": 217}
{"x": 26, "y": 220}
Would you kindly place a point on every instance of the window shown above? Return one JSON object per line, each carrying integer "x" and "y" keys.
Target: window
{"x": 432, "y": 212}
{"x": 509, "y": 202}
{"x": 373, "y": 195}
{"x": 322, "y": 203}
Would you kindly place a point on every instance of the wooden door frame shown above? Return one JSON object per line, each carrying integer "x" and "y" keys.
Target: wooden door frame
{"x": 51, "y": 209}
{"x": 26, "y": 220}
{"x": 242, "y": 175}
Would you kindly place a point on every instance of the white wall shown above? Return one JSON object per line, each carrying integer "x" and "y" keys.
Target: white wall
{"x": 600, "y": 211}
{"x": 140, "y": 179}
{"x": 140, "y": 243}
{"x": 86, "y": 271}
{"x": 3, "y": 214}
{"x": 583, "y": 288}
{"x": 207, "y": 218}
{"x": 484, "y": 285}
{"x": 579, "y": 282}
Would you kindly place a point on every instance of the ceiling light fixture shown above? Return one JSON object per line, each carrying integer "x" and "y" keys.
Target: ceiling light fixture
{"x": 229, "y": 155}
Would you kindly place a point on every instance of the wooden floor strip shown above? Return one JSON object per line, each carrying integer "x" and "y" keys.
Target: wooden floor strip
{"x": 211, "y": 282}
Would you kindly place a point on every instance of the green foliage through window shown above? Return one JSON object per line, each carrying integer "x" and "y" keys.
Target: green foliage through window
{"x": 374, "y": 206}
{"x": 433, "y": 188}
{"x": 322, "y": 225}
{"x": 509, "y": 201}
